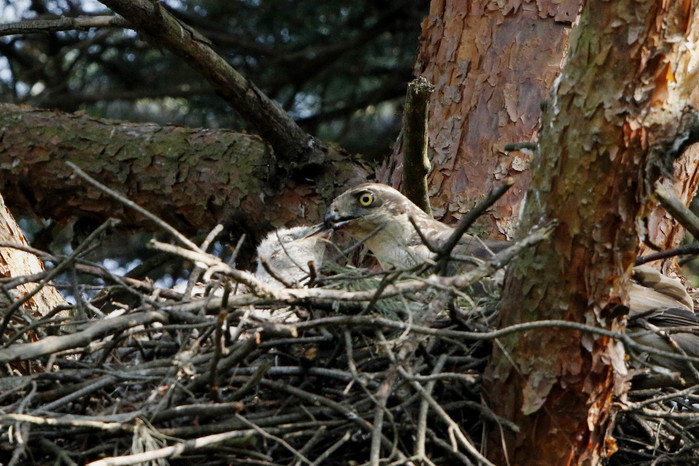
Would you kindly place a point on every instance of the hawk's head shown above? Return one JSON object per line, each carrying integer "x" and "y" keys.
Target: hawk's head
{"x": 379, "y": 215}
{"x": 362, "y": 209}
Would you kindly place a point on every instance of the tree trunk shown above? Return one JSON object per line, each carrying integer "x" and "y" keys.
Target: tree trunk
{"x": 15, "y": 263}
{"x": 492, "y": 68}
{"x": 609, "y": 133}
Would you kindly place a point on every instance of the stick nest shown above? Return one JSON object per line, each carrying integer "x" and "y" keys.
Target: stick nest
{"x": 278, "y": 377}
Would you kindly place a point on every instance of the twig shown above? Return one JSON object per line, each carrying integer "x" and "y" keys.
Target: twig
{"x": 381, "y": 398}
{"x": 214, "y": 264}
{"x": 61, "y": 454}
{"x": 200, "y": 410}
{"x": 33, "y": 26}
{"x": 79, "y": 339}
{"x": 433, "y": 248}
{"x": 259, "y": 372}
{"x": 241, "y": 350}
{"x": 132, "y": 205}
{"x": 317, "y": 435}
{"x": 196, "y": 271}
{"x": 668, "y": 396}
{"x": 454, "y": 428}
{"x": 218, "y": 351}
{"x": 96, "y": 385}
{"x": 58, "y": 422}
{"x": 236, "y": 250}
{"x": 357, "y": 244}
{"x": 321, "y": 296}
{"x": 678, "y": 251}
{"x": 385, "y": 281}
{"x": 438, "y": 441}
{"x": 175, "y": 451}
{"x": 277, "y": 439}
{"x": 273, "y": 273}
{"x": 365, "y": 321}
{"x": 324, "y": 401}
{"x": 420, "y": 435}
{"x": 465, "y": 223}
{"x": 326, "y": 454}
{"x": 55, "y": 272}
{"x": 678, "y": 210}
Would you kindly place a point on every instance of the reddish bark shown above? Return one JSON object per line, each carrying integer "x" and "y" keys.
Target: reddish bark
{"x": 492, "y": 67}
{"x": 605, "y": 142}
{"x": 17, "y": 263}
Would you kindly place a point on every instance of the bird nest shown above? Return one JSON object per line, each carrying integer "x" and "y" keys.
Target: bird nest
{"x": 363, "y": 368}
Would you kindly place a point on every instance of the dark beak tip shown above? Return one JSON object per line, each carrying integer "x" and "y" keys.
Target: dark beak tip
{"x": 316, "y": 229}
{"x": 329, "y": 220}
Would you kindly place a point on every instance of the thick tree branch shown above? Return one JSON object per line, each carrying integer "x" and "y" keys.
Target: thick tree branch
{"x": 289, "y": 141}
{"x": 416, "y": 164}
{"x": 192, "y": 179}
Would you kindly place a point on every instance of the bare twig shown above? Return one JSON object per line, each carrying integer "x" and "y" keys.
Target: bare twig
{"x": 381, "y": 397}
{"x": 64, "y": 23}
{"x": 218, "y": 351}
{"x": 420, "y": 435}
{"x": 79, "y": 339}
{"x": 454, "y": 428}
{"x": 132, "y": 205}
{"x": 49, "y": 421}
{"x": 678, "y": 251}
{"x": 678, "y": 210}
{"x": 326, "y": 454}
{"x": 277, "y": 439}
{"x": 55, "y": 272}
{"x": 176, "y": 450}
{"x": 467, "y": 220}
{"x": 365, "y": 321}
{"x": 214, "y": 265}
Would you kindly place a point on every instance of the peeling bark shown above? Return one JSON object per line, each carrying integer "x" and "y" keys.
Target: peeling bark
{"x": 618, "y": 107}
{"x": 492, "y": 67}
{"x": 15, "y": 263}
{"x": 661, "y": 230}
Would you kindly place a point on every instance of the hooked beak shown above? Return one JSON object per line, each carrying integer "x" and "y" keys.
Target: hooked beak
{"x": 321, "y": 229}
{"x": 332, "y": 221}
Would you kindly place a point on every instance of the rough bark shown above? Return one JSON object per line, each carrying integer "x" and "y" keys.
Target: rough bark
{"x": 660, "y": 230}
{"x": 16, "y": 263}
{"x": 191, "y": 178}
{"x": 492, "y": 67}
{"x": 414, "y": 137}
{"x": 610, "y": 132}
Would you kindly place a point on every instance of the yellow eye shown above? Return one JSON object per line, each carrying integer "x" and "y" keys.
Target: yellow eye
{"x": 366, "y": 199}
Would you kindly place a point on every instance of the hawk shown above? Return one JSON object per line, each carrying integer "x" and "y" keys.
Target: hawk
{"x": 378, "y": 216}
